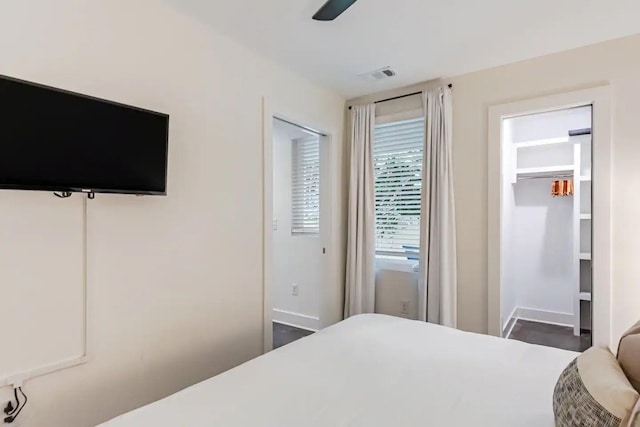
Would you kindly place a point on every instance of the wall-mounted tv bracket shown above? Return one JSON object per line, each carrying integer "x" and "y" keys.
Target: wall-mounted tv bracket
{"x": 90, "y": 194}
{"x": 66, "y": 194}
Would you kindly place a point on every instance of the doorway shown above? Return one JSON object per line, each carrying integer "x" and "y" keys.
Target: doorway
{"x": 549, "y": 274}
{"x": 546, "y": 228}
{"x": 298, "y": 230}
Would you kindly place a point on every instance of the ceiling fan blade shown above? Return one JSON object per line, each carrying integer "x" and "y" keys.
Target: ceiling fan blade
{"x": 332, "y": 9}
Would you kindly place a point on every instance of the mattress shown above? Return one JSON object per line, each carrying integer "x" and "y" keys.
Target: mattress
{"x": 374, "y": 370}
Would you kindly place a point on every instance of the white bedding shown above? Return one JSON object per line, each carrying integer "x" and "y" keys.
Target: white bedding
{"x": 374, "y": 370}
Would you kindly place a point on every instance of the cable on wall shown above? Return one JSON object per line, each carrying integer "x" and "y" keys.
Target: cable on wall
{"x": 11, "y": 412}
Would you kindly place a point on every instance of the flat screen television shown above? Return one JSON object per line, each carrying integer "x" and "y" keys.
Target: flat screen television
{"x": 55, "y": 140}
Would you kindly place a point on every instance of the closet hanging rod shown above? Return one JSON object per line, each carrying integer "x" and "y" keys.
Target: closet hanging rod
{"x": 546, "y": 177}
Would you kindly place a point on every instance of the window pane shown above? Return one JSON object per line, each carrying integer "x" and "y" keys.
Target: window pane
{"x": 398, "y": 149}
{"x": 305, "y": 188}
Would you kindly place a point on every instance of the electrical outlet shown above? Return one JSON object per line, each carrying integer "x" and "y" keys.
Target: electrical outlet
{"x": 294, "y": 289}
{"x": 274, "y": 225}
{"x": 405, "y": 307}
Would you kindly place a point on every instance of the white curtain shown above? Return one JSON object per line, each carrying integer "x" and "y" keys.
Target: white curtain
{"x": 438, "y": 281}
{"x": 361, "y": 246}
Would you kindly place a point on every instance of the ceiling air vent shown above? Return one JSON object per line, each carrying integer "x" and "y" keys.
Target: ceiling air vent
{"x": 383, "y": 73}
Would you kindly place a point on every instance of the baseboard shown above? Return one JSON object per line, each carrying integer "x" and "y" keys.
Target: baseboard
{"x": 542, "y": 316}
{"x": 297, "y": 320}
{"x": 510, "y": 323}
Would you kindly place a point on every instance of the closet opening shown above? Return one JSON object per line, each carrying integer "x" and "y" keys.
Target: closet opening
{"x": 546, "y": 275}
{"x": 299, "y": 230}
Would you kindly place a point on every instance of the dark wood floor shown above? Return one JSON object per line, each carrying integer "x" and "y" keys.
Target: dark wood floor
{"x": 524, "y": 330}
{"x": 283, "y": 334}
{"x": 550, "y": 335}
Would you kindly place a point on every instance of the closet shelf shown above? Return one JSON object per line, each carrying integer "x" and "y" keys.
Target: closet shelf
{"x": 580, "y": 139}
{"x": 585, "y": 296}
{"x": 547, "y": 171}
{"x": 575, "y": 139}
{"x": 585, "y": 256}
{"x": 541, "y": 142}
{"x": 585, "y": 217}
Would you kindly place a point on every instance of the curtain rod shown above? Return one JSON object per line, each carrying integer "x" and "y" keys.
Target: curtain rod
{"x": 402, "y": 96}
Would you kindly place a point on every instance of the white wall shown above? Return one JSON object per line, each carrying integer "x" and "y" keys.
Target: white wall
{"x": 175, "y": 282}
{"x": 614, "y": 62}
{"x": 296, "y": 258}
{"x": 542, "y": 249}
{"x": 553, "y": 124}
{"x": 50, "y": 329}
{"x": 509, "y": 273}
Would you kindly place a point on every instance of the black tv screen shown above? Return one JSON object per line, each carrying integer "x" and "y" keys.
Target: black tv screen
{"x": 55, "y": 140}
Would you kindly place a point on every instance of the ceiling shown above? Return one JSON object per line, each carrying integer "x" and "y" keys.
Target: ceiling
{"x": 420, "y": 39}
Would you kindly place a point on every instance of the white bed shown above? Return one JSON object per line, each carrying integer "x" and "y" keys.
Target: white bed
{"x": 374, "y": 370}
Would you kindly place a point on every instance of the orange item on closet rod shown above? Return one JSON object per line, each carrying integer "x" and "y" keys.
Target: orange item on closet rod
{"x": 562, "y": 188}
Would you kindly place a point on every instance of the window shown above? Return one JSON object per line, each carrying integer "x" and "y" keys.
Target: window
{"x": 397, "y": 158}
{"x": 305, "y": 186}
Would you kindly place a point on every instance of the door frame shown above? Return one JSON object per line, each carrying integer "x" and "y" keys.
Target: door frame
{"x": 327, "y": 193}
{"x": 600, "y": 98}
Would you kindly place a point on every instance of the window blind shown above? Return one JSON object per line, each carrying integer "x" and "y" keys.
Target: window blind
{"x": 398, "y": 150}
{"x": 305, "y": 186}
